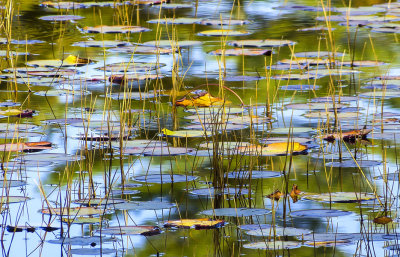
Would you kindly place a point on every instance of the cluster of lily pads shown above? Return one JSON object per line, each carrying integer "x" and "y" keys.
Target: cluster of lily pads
{"x": 212, "y": 128}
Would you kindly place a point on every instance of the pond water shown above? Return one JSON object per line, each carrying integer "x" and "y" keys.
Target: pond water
{"x": 199, "y": 128}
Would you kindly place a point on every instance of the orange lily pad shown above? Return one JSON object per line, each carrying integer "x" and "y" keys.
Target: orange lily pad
{"x": 204, "y": 223}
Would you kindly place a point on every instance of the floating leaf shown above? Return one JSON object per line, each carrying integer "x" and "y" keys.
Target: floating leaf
{"x": 79, "y": 211}
{"x": 93, "y": 251}
{"x": 53, "y": 157}
{"x": 261, "y": 43}
{"x": 142, "y": 50}
{"x": 99, "y": 201}
{"x": 326, "y": 243}
{"x": 332, "y": 115}
{"x": 255, "y": 174}
{"x": 26, "y": 147}
{"x": 299, "y": 87}
{"x": 164, "y": 178}
{"x": 307, "y": 61}
{"x": 170, "y": 43}
{"x": 7, "y": 183}
{"x": 349, "y": 136}
{"x": 223, "y": 22}
{"x": 61, "y": 17}
{"x": 334, "y": 98}
{"x": 362, "y": 63}
{"x": 295, "y": 77}
{"x": 175, "y": 6}
{"x": 203, "y": 99}
{"x": 235, "y": 212}
{"x": 182, "y": 133}
{"x": 7, "y": 199}
{"x": 115, "y": 29}
{"x": 196, "y": 223}
{"x": 221, "y": 33}
{"x": 104, "y": 43}
{"x": 319, "y": 213}
{"x": 177, "y": 21}
{"x": 292, "y": 130}
{"x": 278, "y": 231}
{"x": 381, "y": 94}
{"x": 353, "y": 164}
{"x": 82, "y": 220}
{"x": 273, "y": 245}
{"x": 217, "y": 191}
{"x": 275, "y": 195}
{"x": 242, "y": 51}
{"x": 281, "y": 148}
{"x": 131, "y": 67}
{"x": 383, "y": 220}
{"x": 131, "y": 230}
{"x": 148, "y": 205}
{"x": 340, "y": 197}
{"x": 295, "y": 193}
{"x": 124, "y": 79}
{"x": 314, "y": 106}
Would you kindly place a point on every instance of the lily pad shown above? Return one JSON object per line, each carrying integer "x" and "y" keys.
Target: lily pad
{"x": 171, "y": 43}
{"x": 299, "y": 87}
{"x": 353, "y": 164}
{"x": 215, "y": 191}
{"x": 82, "y": 220}
{"x": 278, "y": 231}
{"x": 314, "y": 106}
{"x": 274, "y": 149}
{"x": 242, "y": 51}
{"x": 319, "y": 213}
{"x": 362, "y": 63}
{"x": 381, "y": 94}
{"x": 236, "y": 212}
{"x": 182, "y": 133}
{"x": 131, "y": 67}
{"x": 8, "y": 199}
{"x": 53, "y": 157}
{"x": 389, "y": 176}
{"x": 194, "y": 223}
{"x": 175, "y": 6}
{"x": 261, "y": 43}
{"x": 222, "y": 33}
{"x": 255, "y": 174}
{"x": 93, "y": 251}
{"x": 292, "y": 130}
{"x": 142, "y": 50}
{"x": 61, "y": 18}
{"x": 144, "y": 205}
{"x": 332, "y": 115}
{"x": 115, "y": 29}
{"x": 82, "y": 240}
{"x": 131, "y": 230}
{"x": 99, "y": 201}
{"x": 341, "y": 197}
{"x": 105, "y": 43}
{"x": 336, "y": 98}
{"x": 223, "y": 22}
{"x": 164, "y": 178}
{"x": 79, "y": 211}
{"x": 12, "y": 183}
{"x": 273, "y": 245}
{"x": 295, "y": 77}
{"x": 176, "y": 21}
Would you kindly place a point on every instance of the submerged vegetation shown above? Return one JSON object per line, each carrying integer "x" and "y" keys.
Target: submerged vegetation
{"x": 199, "y": 128}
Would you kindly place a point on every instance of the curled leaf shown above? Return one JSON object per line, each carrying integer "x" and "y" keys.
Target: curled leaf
{"x": 383, "y": 220}
{"x": 275, "y": 195}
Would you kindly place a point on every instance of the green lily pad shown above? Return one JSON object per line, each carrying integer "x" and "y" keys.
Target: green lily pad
{"x": 170, "y": 43}
{"x": 215, "y": 191}
{"x": 137, "y": 49}
{"x": 319, "y": 213}
{"x": 7, "y": 199}
{"x": 93, "y": 251}
{"x": 292, "y": 130}
{"x": 341, "y": 197}
{"x": 131, "y": 67}
{"x": 61, "y": 17}
{"x": 175, "y": 6}
{"x": 236, "y": 212}
{"x": 353, "y": 164}
{"x": 295, "y": 77}
{"x": 278, "y": 231}
{"x": 164, "y": 178}
{"x": 82, "y": 240}
{"x": 99, "y": 201}
{"x": 223, "y": 22}
{"x": 144, "y": 205}
{"x": 273, "y": 245}
{"x": 255, "y": 174}
{"x": 314, "y": 106}
{"x": 331, "y": 115}
{"x": 381, "y": 94}
{"x": 261, "y": 43}
{"x": 176, "y": 21}
{"x": 82, "y": 220}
